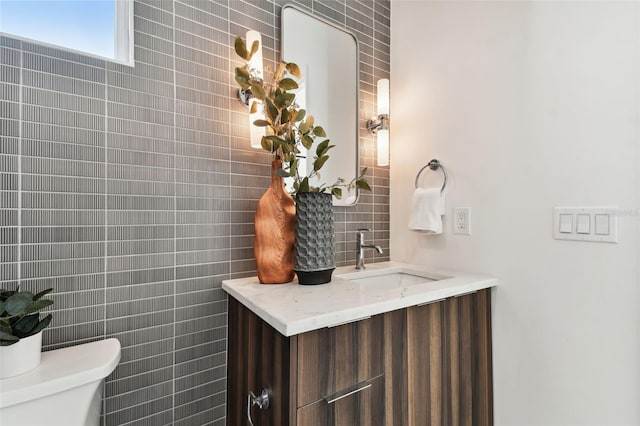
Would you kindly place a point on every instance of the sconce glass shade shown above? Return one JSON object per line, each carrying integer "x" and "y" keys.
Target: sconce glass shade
{"x": 256, "y": 68}
{"x": 383, "y": 147}
{"x": 379, "y": 126}
{"x": 383, "y": 96}
{"x": 256, "y": 133}
{"x": 255, "y": 63}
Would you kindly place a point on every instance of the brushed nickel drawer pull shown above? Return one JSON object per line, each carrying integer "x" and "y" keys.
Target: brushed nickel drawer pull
{"x": 331, "y": 401}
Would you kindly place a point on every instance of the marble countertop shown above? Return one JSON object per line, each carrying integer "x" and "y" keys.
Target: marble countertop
{"x": 293, "y": 309}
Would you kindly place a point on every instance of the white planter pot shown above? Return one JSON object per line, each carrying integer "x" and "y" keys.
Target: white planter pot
{"x": 20, "y": 357}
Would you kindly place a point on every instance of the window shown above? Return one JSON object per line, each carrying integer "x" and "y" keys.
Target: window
{"x": 102, "y": 28}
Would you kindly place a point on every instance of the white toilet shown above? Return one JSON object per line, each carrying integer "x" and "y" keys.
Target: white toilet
{"x": 65, "y": 390}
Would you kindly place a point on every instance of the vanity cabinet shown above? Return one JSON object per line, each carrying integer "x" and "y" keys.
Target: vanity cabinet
{"x": 421, "y": 365}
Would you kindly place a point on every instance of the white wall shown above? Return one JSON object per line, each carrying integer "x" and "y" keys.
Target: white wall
{"x": 530, "y": 105}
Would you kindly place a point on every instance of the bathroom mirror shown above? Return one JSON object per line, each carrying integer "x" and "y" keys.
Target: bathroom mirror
{"x": 328, "y": 58}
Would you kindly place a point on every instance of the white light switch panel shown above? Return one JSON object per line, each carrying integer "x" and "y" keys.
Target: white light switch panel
{"x": 597, "y": 224}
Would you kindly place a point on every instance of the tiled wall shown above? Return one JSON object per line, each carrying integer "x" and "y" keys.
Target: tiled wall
{"x": 131, "y": 192}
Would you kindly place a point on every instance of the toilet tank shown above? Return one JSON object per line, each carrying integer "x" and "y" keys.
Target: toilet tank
{"x": 65, "y": 390}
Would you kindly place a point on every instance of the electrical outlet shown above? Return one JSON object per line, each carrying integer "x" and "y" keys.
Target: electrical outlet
{"x": 462, "y": 220}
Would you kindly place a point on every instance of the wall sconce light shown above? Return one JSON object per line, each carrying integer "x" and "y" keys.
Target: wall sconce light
{"x": 379, "y": 125}
{"x": 256, "y": 68}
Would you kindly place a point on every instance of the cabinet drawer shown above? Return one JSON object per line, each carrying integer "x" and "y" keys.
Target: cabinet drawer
{"x": 333, "y": 359}
{"x": 361, "y": 406}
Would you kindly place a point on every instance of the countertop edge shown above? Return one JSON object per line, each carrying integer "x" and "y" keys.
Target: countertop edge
{"x": 462, "y": 283}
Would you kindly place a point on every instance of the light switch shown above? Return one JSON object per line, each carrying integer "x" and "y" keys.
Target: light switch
{"x": 583, "y": 223}
{"x": 566, "y": 223}
{"x": 595, "y": 224}
{"x": 601, "y": 224}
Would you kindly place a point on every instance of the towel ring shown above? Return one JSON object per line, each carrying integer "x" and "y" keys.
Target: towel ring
{"x": 434, "y": 165}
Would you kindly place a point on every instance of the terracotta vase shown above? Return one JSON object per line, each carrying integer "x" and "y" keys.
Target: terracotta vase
{"x": 275, "y": 226}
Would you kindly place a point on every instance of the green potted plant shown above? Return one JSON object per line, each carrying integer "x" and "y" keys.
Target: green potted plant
{"x": 21, "y": 330}
{"x": 292, "y": 134}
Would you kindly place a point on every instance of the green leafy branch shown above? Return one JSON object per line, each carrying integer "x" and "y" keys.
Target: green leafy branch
{"x": 288, "y": 127}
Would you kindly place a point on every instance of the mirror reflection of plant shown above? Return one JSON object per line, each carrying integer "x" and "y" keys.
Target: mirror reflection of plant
{"x": 289, "y": 127}
{"x": 19, "y": 317}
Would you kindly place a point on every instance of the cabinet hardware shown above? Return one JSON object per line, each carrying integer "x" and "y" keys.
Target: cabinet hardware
{"x": 331, "y": 401}
{"x": 262, "y": 401}
{"x": 348, "y": 322}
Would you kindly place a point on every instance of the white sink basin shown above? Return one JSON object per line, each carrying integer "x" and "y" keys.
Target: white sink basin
{"x": 394, "y": 279}
{"x": 391, "y": 277}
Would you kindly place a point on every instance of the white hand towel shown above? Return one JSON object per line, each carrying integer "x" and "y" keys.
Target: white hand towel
{"x": 426, "y": 211}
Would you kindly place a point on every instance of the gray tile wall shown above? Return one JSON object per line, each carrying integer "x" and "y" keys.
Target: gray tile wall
{"x": 131, "y": 192}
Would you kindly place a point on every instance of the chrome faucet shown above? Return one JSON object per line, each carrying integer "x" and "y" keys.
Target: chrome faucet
{"x": 361, "y": 246}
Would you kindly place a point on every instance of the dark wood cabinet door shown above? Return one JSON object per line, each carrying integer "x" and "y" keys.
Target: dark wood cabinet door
{"x": 337, "y": 358}
{"x": 449, "y": 376}
{"x": 362, "y": 405}
{"x": 468, "y": 382}
{"x": 426, "y": 364}
{"x": 258, "y": 357}
{"x": 395, "y": 370}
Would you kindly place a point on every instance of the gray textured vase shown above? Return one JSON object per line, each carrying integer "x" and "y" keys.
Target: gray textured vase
{"x": 314, "y": 254}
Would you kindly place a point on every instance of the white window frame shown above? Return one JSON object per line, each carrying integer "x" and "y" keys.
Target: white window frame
{"x": 124, "y": 32}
